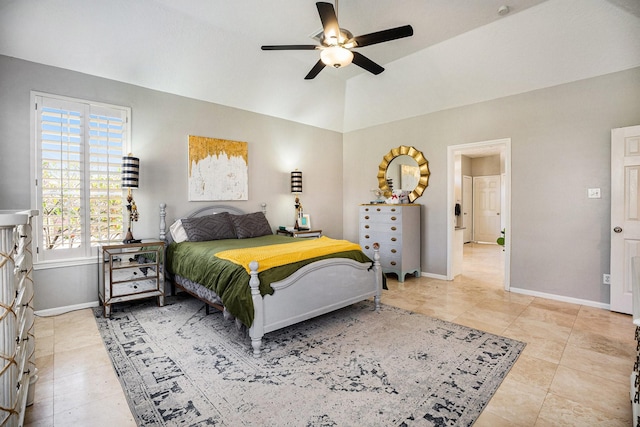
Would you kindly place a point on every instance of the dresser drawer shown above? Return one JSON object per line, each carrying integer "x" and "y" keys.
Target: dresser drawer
{"x": 376, "y": 228}
{"x": 384, "y": 219}
{"x": 384, "y": 238}
{"x": 380, "y": 214}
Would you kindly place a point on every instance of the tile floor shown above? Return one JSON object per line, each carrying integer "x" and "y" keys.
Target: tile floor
{"x": 574, "y": 370}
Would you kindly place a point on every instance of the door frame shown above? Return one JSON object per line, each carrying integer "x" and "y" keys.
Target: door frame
{"x": 505, "y": 146}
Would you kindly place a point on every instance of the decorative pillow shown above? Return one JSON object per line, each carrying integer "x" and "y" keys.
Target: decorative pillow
{"x": 209, "y": 227}
{"x": 177, "y": 232}
{"x": 251, "y": 225}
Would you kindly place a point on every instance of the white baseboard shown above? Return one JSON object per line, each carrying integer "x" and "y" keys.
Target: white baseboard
{"x": 434, "y": 276}
{"x": 66, "y": 309}
{"x": 561, "y": 298}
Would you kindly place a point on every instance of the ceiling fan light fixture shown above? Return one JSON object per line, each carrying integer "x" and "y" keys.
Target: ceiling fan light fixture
{"x": 336, "y": 56}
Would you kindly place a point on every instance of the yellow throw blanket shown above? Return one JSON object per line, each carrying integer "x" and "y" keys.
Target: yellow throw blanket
{"x": 286, "y": 253}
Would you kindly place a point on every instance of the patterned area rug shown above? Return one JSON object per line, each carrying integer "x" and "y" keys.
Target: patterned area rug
{"x": 353, "y": 367}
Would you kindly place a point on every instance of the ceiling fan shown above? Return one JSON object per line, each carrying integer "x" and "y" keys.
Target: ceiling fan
{"x": 336, "y": 43}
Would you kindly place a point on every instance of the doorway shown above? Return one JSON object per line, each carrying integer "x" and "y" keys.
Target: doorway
{"x": 486, "y": 208}
{"x": 501, "y": 147}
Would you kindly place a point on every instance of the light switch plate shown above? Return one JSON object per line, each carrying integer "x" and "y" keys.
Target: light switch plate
{"x": 593, "y": 193}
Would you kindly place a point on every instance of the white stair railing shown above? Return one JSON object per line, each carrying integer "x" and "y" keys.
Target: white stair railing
{"x": 18, "y": 373}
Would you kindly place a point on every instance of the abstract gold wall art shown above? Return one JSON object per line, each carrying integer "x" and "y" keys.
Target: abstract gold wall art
{"x": 218, "y": 169}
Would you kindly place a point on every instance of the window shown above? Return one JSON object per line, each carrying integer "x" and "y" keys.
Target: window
{"x": 79, "y": 148}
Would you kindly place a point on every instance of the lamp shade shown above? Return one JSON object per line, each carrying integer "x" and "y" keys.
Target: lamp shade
{"x": 130, "y": 171}
{"x": 296, "y": 181}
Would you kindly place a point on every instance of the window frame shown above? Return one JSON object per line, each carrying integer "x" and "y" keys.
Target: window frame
{"x": 87, "y": 252}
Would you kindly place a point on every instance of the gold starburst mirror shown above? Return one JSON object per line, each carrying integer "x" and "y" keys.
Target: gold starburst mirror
{"x": 405, "y": 168}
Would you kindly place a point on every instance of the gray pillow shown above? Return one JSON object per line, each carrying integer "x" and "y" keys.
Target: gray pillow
{"x": 251, "y": 225}
{"x": 210, "y": 227}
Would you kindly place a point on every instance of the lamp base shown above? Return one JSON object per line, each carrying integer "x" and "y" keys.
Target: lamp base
{"x": 129, "y": 238}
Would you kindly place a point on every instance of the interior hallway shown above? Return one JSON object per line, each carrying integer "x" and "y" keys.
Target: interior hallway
{"x": 574, "y": 370}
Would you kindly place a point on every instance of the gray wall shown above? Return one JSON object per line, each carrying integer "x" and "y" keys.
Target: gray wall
{"x": 484, "y": 166}
{"x": 161, "y": 125}
{"x": 560, "y": 147}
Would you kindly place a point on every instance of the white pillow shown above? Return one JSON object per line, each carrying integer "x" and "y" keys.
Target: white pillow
{"x": 177, "y": 232}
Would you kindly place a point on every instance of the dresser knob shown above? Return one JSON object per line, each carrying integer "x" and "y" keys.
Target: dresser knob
{"x": 393, "y": 251}
{"x": 393, "y": 239}
{"x": 366, "y": 247}
{"x": 378, "y": 209}
{"x": 366, "y": 236}
{"x": 393, "y": 228}
{"x": 366, "y": 226}
{"x": 393, "y": 218}
{"x": 392, "y": 263}
{"x": 366, "y": 217}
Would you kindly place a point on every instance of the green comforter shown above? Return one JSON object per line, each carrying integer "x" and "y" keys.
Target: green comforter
{"x": 197, "y": 262}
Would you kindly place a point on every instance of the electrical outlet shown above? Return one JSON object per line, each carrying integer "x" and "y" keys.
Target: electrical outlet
{"x": 606, "y": 279}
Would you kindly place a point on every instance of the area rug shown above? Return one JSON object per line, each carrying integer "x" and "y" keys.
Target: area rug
{"x": 352, "y": 367}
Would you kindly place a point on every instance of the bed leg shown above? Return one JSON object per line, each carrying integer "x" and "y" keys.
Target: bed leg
{"x": 256, "y": 332}
{"x": 256, "y": 343}
{"x": 378, "y": 272}
{"x": 163, "y": 223}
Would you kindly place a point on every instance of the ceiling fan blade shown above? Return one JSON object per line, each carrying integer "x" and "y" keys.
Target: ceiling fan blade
{"x": 315, "y": 70}
{"x": 363, "y": 62}
{"x": 329, "y": 20}
{"x": 382, "y": 36}
{"x": 291, "y": 47}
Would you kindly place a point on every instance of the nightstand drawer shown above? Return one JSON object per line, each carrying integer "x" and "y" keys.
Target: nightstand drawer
{"x": 130, "y": 288}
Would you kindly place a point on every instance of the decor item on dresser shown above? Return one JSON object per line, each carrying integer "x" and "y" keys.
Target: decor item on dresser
{"x": 18, "y": 373}
{"x": 218, "y": 169}
{"x": 351, "y": 367}
{"x": 289, "y": 280}
{"x": 397, "y": 229}
{"x": 130, "y": 179}
{"x": 379, "y": 195}
{"x": 407, "y": 159}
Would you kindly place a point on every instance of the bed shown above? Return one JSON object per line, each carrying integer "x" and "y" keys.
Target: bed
{"x": 263, "y": 300}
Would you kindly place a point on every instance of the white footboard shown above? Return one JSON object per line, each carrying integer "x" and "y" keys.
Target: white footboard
{"x": 315, "y": 289}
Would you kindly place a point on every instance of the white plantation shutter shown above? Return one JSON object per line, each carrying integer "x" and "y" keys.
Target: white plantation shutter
{"x": 79, "y": 153}
{"x": 106, "y": 148}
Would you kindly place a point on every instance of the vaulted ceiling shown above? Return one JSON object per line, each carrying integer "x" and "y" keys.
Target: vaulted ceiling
{"x": 462, "y": 51}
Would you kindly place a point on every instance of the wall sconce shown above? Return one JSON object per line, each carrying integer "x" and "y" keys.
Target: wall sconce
{"x": 296, "y": 188}
{"x": 130, "y": 179}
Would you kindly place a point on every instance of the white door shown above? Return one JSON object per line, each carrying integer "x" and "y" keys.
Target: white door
{"x": 467, "y": 207}
{"x": 486, "y": 208}
{"x": 625, "y": 213}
